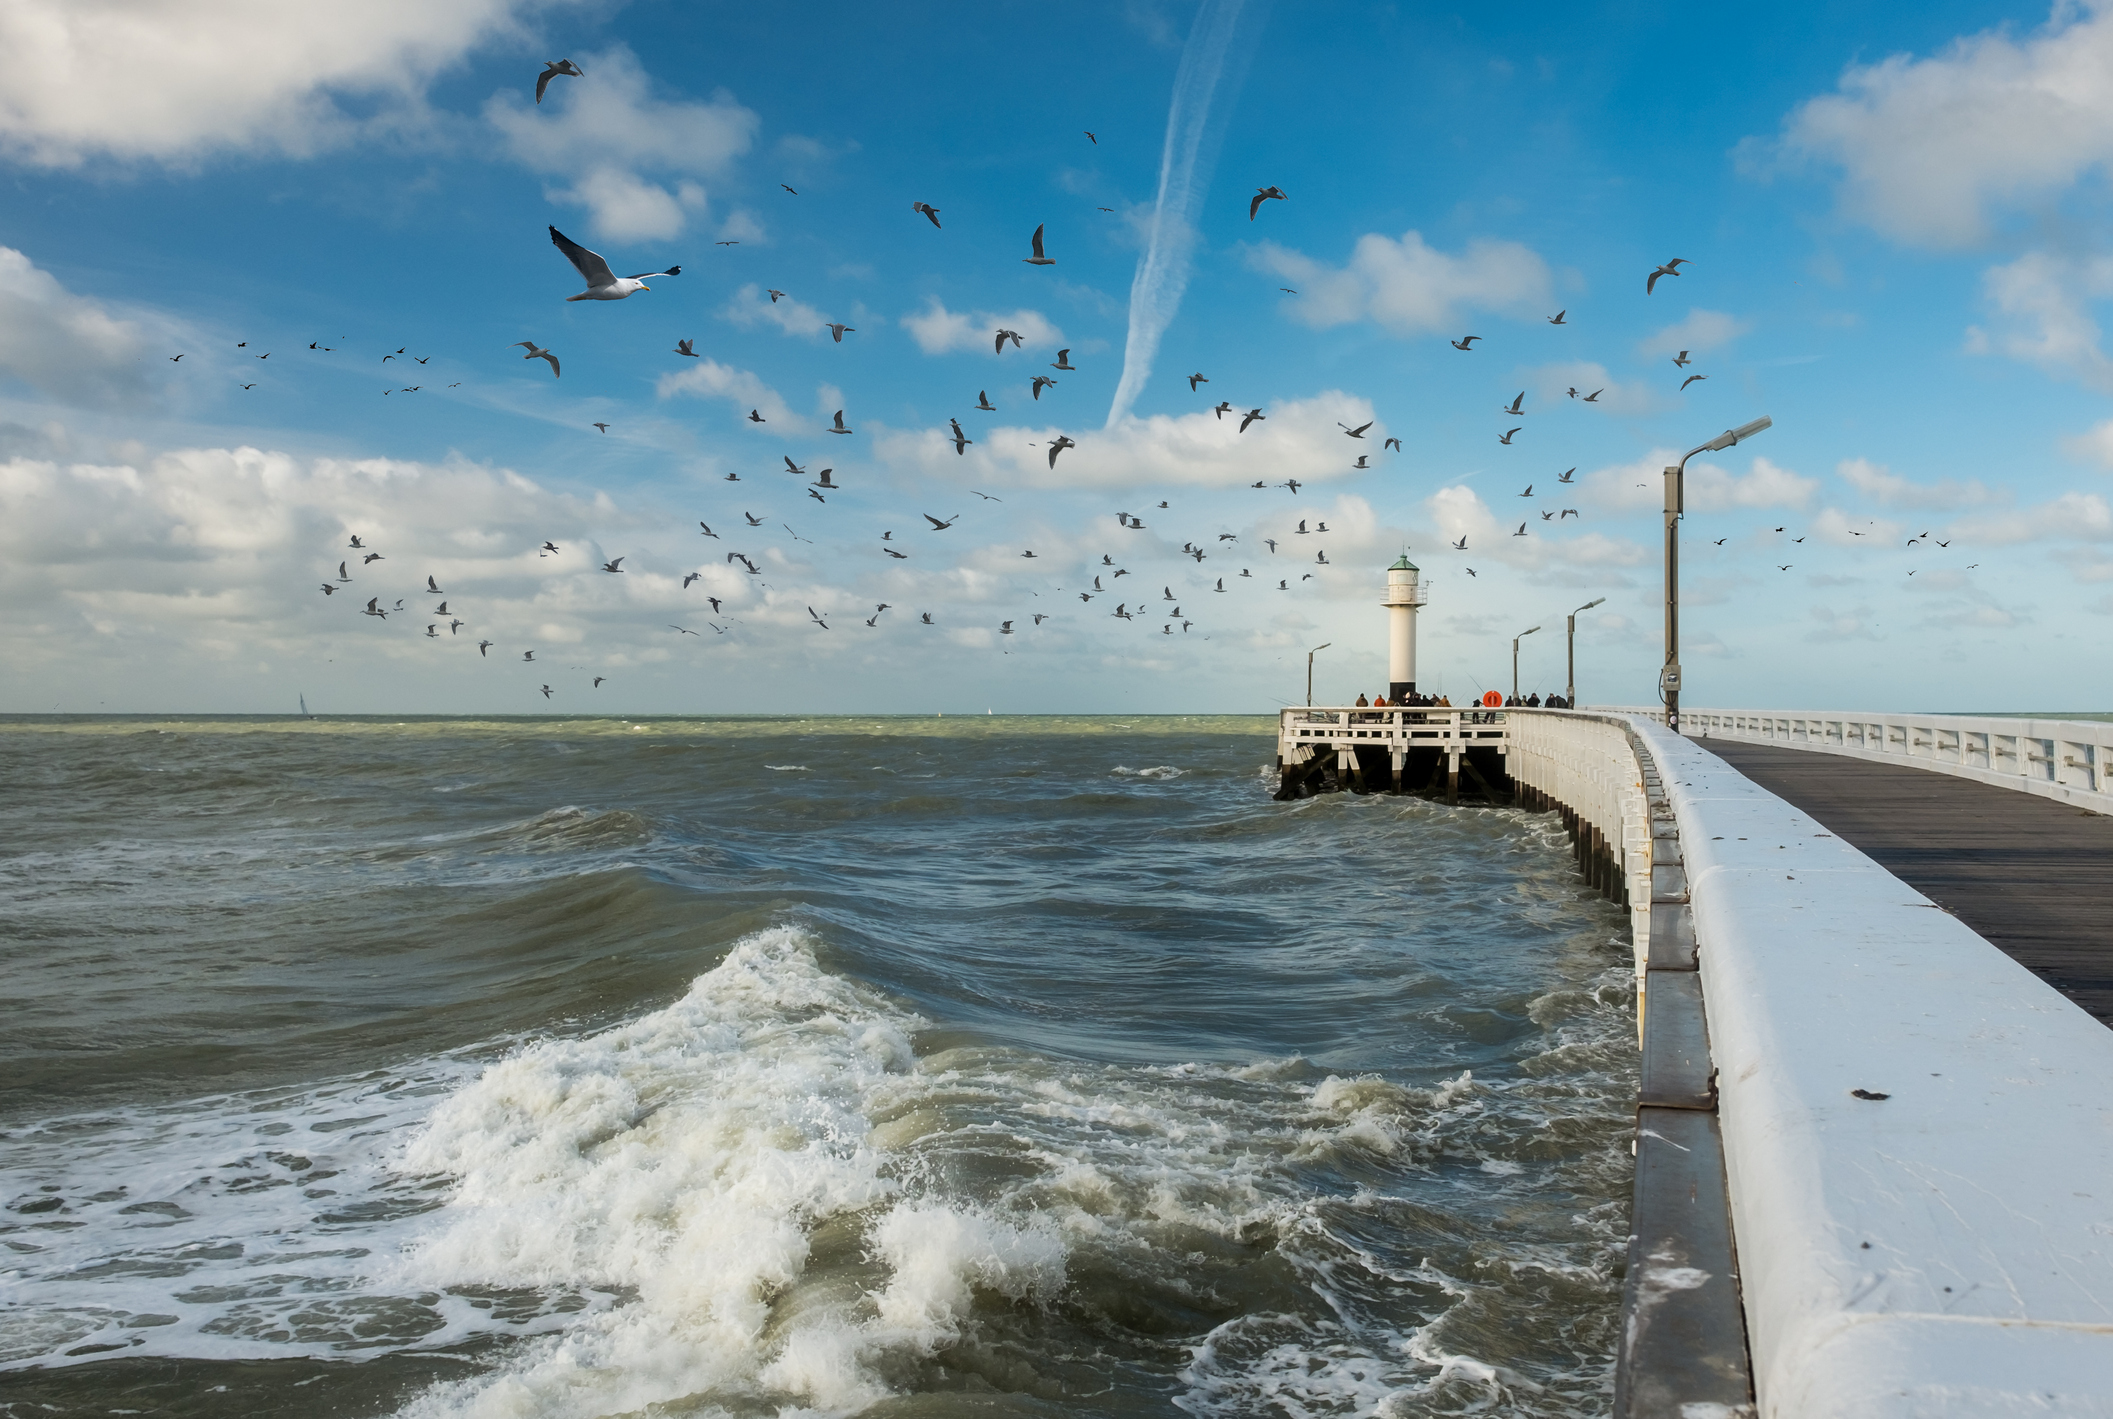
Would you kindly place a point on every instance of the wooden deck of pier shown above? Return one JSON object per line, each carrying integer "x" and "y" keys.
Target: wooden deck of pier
{"x": 2028, "y": 874}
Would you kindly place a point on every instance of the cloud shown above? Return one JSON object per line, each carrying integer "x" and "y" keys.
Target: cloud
{"x": 2094, "y": 445}
{"x": 2042, "y": 305}
{"x": 708, "y": 379}
{"x": 1700, "y": 330}
{"x": 1640, "y": 485}
{"x": 939, "y": 331}
{"x": 2071, "y": 517}
{"x": 1835, "y": 528}
{"x": 1889, "y": 489}
{"x": 1930, "y": 149}
{"x": 606, "y": 131}
{"x": 1554, "y": 382}
{"x": 751, "y": 307}
{"x": 77, "y": 350}
{"x": 1459, "y": 511}
{"x": 1832, "y": 626}
{"x": 1299, "y": 439}
{"x": 176, "y": 80}
{"x": 1407, "y": 287}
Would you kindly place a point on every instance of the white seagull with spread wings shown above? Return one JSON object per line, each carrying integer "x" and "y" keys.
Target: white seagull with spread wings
{"x": 602, "y": 283}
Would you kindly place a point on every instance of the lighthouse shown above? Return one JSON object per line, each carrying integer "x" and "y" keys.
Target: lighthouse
{"x": 1405, "y": 594}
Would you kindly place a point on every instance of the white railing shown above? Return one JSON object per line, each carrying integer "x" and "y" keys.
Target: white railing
{"x": 1304, "y": 729}
{"x": 2065, "y": 759}
{"x": 1587, "y": 763}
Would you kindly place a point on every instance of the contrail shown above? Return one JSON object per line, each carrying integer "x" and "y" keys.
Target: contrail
{"x": 1210, "y": 61}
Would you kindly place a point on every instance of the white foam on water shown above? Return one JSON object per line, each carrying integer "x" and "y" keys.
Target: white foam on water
{"x": 1157, "y": 771}
{"x": 787, "y": 768}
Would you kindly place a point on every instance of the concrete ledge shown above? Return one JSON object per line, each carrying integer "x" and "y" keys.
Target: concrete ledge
{"x": 1947, "y": 1249}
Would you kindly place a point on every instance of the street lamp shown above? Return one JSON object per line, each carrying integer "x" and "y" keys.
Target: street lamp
{"x": 1570, "y": 636}
{"x": 1309, "y": 670}
{"x": 1515, "y": 659}
{"x": 1675, "y": 488}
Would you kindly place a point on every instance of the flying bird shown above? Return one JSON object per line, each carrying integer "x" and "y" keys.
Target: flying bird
{"x": 1517, "y": 405}
{"x": 1063, "y": 442}
{"x": 983, "y": 403}
{"x": 1038, "y": 259}
{"x": 602, "y": 283}
{"x": 682, "y": 347}
{"x": 1690, "y": 380}
{"x": 839, "y": 429}
{"x": 1594, "y": 396}
{"x": 686, "y": 583}
{"x": 837, "y": 330}
{"x": 1521, "y": 532}
{"x": 1253, "y": 416}
{"x": 1461, "y": 545}
{"x": 603, "y": 427}
{"x": 1356, "y": 433}
{"x": 528, "y": 655}
{"x": 536, "y": 354}
{"x": 615, "y": 566}
{"x": 484, "y": 648}
{"x": 1196, "y": 379}
{"x": 433, "y": 589}
{"x": 546, "y": 692}
{"x": 1360, "y": 461}
{"x": 1671, "y": 268}
{"x": 938, "y": 526}
{"x": 755, "y": 418}
{"x": 753, "y": 520}
{"x": 1681, "y": 361}
{"x": 774, "y": 295}
{"x": 1529, "y": 491}
{"x": 1041, "y": 381}
{"x": 1557, "y": 318}
{"x": 817, "y": 619}
{"x": 1063, "y": 361}
{"x": 552, "y": 70}
{"x": 1506, "y": 438}
{"x": 1263, "y": 194}
{"x": 1012, "y": 335}
{"x": 1464, "y": 341}
{"x": 1565, "y": 476}
{"x": 928, "y": 209}
{"x": 961, "y": 440}
{"x": 371, "y": 557}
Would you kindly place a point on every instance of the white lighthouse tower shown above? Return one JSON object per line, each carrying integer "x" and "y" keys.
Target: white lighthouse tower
{"x": 1405, "y": 594}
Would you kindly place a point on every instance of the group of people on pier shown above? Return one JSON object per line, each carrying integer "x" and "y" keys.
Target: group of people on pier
{"x": 1408, "y": 701}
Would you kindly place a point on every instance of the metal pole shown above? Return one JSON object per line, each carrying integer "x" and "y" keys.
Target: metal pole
{"x": 1309, "y": 670}
{"x": 1515, "y": 666}
{"x": 1675, "y": 491}
{"x": 1570, "y": 657}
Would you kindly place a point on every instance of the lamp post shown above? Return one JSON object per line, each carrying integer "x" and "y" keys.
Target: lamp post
{"x": 1309, "y": 670}
{"x": 1675, "y": 488}
{"x": 1515, "y": 658}
{"x": 1570, "y": 637}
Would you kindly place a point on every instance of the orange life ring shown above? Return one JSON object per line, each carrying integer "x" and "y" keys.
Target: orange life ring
{"x": 1492, "y": 699}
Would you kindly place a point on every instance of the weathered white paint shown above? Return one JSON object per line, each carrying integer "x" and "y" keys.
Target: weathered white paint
{"x": 2068, "y": 760}
{"x": 1949, "y": 1249}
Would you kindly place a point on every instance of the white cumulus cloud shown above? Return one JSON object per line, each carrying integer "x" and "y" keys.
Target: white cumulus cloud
{"x": 752, "y": 306}
{"x": 2042, "y": 306}
{"x": 939, "y": 331}
{"x": 1889, "y": 489}
{"x": 1932, "y": 149}
{"x": 76, "y": 350}
{"x": 635, "y": 161}
{"x": 1587, "y": 378}
{"x": 1709, "y": 488}
{"x": 175, "y": 80}
{"x": 1696, "y": 332}
{"x": 1408, "y": 287}
{"x": 708, "y": 379}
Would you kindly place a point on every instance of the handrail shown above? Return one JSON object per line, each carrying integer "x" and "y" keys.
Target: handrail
{"x": 2068, "y": 760}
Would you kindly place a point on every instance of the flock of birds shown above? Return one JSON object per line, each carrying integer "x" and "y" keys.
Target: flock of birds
{"x": 1094, "y": 582}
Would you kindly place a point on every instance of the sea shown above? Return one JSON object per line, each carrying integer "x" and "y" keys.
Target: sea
{"x": 919, "y": 1066}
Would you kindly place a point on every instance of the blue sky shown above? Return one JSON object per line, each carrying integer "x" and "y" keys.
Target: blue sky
{"x": 1890, "y": 219}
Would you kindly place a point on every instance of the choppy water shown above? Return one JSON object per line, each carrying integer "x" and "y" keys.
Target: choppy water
{"x": 905, "y": 1067}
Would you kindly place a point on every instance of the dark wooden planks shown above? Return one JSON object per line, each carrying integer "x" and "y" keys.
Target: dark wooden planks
{"x": 2029, "y": 874}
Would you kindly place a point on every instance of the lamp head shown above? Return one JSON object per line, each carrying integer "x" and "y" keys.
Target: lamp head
{"x": 1590, "y": 604}
{"x": 1739, "y": 435}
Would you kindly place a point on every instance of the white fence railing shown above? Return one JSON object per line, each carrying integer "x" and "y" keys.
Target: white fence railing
{"x": 1587, "y": 763}
{"x": 2069, "y": 760}
{"x": 1304, "y": 729}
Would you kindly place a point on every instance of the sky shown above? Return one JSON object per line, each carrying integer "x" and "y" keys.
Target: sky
{"x": 1890, "y": 218}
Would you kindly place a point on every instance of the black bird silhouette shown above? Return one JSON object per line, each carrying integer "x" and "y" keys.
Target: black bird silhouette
{"x": 928, "y": 209}
{"x": 1669, "y": 269}
{"x": 1263, "y": 194}
{"x": 1464, "y": 341}
{"x": 552, "y": 70}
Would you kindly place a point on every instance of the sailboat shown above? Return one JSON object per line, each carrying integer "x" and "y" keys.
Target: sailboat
{"x": 304, "y": 707}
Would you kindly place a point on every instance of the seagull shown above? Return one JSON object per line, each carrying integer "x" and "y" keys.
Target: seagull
{"x": 816, "y": 494}
{"x": 536, "y": 354}
{"x": 1041, "y": 381}
{"x": 926, "y": 617}
{"x": 1271, "y": 543}
{"x": 839, "y": 429}
{"x": 1196, "y": 379}
{"x": 1681, "y": 361}
{"x": 546, "y": 692}
{"x": 484, "y": 647}
{"x": 249, "y": 386}
{"x": 615, "y": 566}
{"x": 1063, "y": 361}
{"x": 753, "y": 520}
{"x": 707, "y": 529}
{"x": 603, "y": 427}
{"x": 1506, "y": 438}
{"x": 1038, "y": 259}
{"x": 1360, "y": 461}
{"x": 1012, "y": 335}
{"x": 987, "y": 497}
{"x": 1005, "y": 628}
{"x": 837, "y": 330}
{"x": 371, "y": 557}
{"x": 755, "y": 418}
{"x": 1253, "y": 416}
{"x": 1521, "y": 532}
{"x": 1028, "y": 553}
{"x": 432, "y": 633}
{"x": 1557, "y": 318}
{"x": 355, "y": 542}
{"x": 550, "y": 547}
{"x": 341, "y": 572}
{"x": 938, "y": 526}
{"x": 1690, "y": 380}
{"x": 1222, "y": 408}
{"x": 788, "y": 188}
{"x": 1461, "y": 545}
{"x": 1564, "y": 477}
{"x": 1669, "y": 269}
{"x": 774, "y": 295}
{"x": 1572, "y": 512}
{"x": 1287, "y": 290}
{"x": 1547, "y": 517}
{"x": 1039, "y": 616}
{"x": 983, "y": 403}
{"x": 552, "y": 70}
{"x": 1356, "y": 433}
{"x": 1293, "y": 484}
{"x": 433, "y": 589}
{"x": 928, "y": 209}
{"x": 528, "y": 655}
{"x": 174, "y": 358}
{"x": 1464, "y": 341}
{"x": 688, "y": 579}
{"x": 1263, "y": 194}
{"x": 602, "y": 284}
{"x": 1063, "y": 442}
{"x": 794, "y": 468}
{"x": 599, "y": 678}
{"x": 817, "y": 619}
{"x": 1470, "y": 571}
{"x": 682, "y": 347}
{"x": 1529, "y": 491}
{"x": 961, "y": 440}
{"x": 1517, "y": 405}
{"x": 1301, "y": 528}
{"x": 329, "y": 590}
{"x": 1594, "y": 396}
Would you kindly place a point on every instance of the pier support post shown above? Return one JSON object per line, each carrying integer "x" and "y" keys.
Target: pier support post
{"x": 1452, "y": 777}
